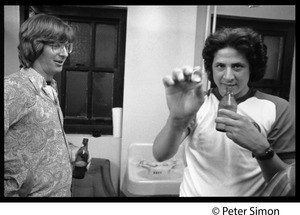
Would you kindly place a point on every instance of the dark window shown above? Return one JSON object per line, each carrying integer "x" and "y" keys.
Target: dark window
{"x": 92, "y": 80}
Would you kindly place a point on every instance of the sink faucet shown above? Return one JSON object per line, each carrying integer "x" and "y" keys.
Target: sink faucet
{"x": 150, "y": 165}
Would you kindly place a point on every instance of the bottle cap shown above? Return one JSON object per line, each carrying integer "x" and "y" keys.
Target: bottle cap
{"x": 85, "y": 141}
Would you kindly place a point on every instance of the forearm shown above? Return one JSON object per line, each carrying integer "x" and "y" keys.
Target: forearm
{"x": 169, "y": 139}
{"x": 271, "y": 167}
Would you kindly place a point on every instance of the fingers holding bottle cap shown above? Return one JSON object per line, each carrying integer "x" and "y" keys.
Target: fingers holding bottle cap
{"x": 196, "y": 76}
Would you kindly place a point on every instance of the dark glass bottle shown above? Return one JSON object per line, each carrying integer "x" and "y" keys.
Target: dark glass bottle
{"x": 227, "y": 102}
{"x": 81, "y": 160}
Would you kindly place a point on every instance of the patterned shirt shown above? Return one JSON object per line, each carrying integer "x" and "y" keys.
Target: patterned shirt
{"x": 36, "y": 152}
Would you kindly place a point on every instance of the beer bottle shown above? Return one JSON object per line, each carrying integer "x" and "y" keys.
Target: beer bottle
{"x": 227, "y": 102}
{"x": 81, "y": 160}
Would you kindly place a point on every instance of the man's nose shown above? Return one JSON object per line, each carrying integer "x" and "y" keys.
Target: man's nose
{"x": 228, "y": 73}
{"x": 64, "y": 51}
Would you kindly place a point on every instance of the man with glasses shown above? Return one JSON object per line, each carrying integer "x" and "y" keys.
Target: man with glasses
{"x": 37, "y": 155}
{"x": 59, "y": 47}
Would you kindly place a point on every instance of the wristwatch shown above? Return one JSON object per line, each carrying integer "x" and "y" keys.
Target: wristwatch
{"x": 267, "y": 155}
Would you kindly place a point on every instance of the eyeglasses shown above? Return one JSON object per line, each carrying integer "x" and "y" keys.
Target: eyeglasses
{"x": 59, "y": 47}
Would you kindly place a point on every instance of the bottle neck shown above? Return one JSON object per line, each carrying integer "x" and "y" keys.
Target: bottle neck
{"x": 85, "y": 142}
{"x": 85, "y": 145}
{"x": 228, "y": 90}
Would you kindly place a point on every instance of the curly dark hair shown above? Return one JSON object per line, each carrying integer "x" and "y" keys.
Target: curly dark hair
{"x": 246, "y": 41}
{"x": 38, "y": 30}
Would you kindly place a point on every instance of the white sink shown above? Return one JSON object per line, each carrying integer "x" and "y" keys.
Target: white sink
{"x": 147, "y": 177}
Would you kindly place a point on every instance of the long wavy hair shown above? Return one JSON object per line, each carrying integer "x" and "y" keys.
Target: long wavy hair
{"x": 38, "y": 30}
{"x": 245, "y": 41}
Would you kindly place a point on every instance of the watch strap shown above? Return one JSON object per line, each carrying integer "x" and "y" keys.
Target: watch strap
{"x": 268, "y": 154}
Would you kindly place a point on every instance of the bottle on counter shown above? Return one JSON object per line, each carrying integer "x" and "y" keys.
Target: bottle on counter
{"x": 81, "y": 160}
{"x": 227, "y": 102}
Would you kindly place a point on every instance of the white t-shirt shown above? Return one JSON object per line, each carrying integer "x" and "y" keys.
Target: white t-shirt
{"x": 216, "y": 166}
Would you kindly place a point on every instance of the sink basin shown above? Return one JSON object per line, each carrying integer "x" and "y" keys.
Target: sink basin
{"x": 168, "y": 170}
{"x": 147, "y": 177}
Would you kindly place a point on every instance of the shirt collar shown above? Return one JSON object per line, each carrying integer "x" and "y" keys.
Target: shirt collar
{"x": 37, "y": 79}
{"x": 249, "y": 94}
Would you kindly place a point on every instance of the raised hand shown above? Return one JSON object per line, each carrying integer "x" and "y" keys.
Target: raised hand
{"x": 183, "y": 92}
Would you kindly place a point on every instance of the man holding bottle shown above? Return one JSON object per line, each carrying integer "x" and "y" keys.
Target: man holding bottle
{"x": 259, "y": 139}
{"x": 37, "y": 155}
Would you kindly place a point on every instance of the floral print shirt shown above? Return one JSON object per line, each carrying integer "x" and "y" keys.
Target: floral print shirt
{"x": 36, "y": 152}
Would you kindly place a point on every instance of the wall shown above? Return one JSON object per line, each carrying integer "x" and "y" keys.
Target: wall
{"x": 292, "y": 98}
{"x": 158, "y": 40}
{"x": 283, "y": 12}
{"x": 11, "y": 34}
